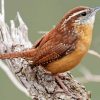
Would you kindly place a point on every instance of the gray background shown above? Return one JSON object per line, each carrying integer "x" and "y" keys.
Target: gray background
{"x": 41, "y": 15}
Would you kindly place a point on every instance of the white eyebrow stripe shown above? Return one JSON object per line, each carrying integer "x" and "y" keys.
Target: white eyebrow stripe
{"x": 66, "y": 20}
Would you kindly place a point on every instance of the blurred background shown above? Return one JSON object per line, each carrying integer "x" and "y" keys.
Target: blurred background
{"x": 42, "y": 15}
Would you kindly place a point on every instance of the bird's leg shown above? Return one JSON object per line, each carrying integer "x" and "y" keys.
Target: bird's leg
{"x": 61, "y": 84}
{"x": 58, "y": 79}
{"x": 45, "y": 71}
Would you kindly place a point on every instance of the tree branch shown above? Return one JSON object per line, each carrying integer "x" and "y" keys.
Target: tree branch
{"x": 5, "y": 68}
{"x": 39, "y": 85}
{"x": 88, "y": 76}
{"x": 93, "y": 52}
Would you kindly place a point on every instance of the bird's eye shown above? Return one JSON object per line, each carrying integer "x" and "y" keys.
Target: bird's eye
{"x": 83, "y": 14}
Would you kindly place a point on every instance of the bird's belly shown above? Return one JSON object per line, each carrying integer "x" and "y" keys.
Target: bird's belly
{"x": 69, "y": 61}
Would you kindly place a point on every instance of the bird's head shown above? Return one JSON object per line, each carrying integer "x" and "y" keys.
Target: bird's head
{"x": 78, "y": 16}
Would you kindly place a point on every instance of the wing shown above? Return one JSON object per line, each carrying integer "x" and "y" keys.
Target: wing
{"x": 51, "y": 35}
{"x": 50, "y": 54}
{"x": 51, "y": 47}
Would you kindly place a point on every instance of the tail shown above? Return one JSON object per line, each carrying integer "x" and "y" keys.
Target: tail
{"x": 22, "y": 54}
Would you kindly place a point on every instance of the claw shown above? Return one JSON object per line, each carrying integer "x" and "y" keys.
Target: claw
{"x": 62, "y": 85}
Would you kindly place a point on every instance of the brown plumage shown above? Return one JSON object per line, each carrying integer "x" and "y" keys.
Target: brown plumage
{"x": 64, "y": 46}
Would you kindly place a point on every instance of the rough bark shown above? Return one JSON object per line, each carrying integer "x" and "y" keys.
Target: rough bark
{"x": 41, "y": 86}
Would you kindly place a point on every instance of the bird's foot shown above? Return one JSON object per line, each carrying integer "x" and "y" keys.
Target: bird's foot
{"x": 46, "y": 72}
{"x": 62, "y": 85}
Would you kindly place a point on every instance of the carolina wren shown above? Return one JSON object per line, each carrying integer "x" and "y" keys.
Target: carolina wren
{"x": 64, "y": 46}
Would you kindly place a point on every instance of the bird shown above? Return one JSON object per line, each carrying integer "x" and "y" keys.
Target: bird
{"x": 64, "y": 46}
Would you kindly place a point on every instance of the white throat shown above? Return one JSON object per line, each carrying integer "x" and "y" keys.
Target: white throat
{"x": 90, "y": 21}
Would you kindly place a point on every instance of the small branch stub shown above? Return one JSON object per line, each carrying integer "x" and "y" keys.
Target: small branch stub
{"x": 40, "y": 86}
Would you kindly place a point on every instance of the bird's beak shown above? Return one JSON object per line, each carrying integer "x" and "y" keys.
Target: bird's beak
{"x": 94, "y": 10}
